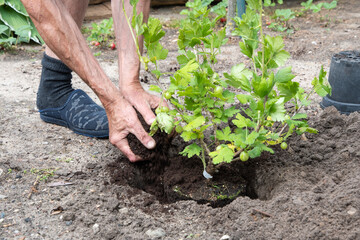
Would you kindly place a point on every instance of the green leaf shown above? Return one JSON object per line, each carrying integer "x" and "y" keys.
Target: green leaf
{"x": 134, "y": 2}
{"x": 224, "y": 135}
{"x": 3, "y": 29}
{"x": 284, "y": 75}
{"x": 191, "y": 150}
{"x": 242, "y": 122}
{"x": 302, "y": 130}
{"x": 153, "y": 128}
{"x": 263, "y": 86}
{"x": 320, "y": 84}
{"x": 153, "y": 31}
{"x": 165, "y": 122}
{"x": 230, "y": 112}
{"x": 157, "y": 52}
{"x": 277, "y": 110}
{"x": 155, "y": 88}
{"x": 281, "y": 57}
{"x": 258, "y": 149}
{"x": 254, "y": 4}
{"x": 17, "y": 6}
{"x": 251, "y": 138}
{"x": 299, "y": 116}
{"x": 184, "y": 74}
{"x": 331, "y": 5}
{"x": 157, "y": 73}
{"x": 35, "y": 36}
{"x": 244, "y": 98}
{"x": 288, "y": 90}
{"x": 225, "y": 154}
{"x": 188, "y": 136}
{"x": 197, "y": 122}
{"x": 14, "y": 20}
{"x": 239, "y": 77}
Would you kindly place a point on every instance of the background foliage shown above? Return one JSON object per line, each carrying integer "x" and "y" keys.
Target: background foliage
{"x": 15, "y": 24}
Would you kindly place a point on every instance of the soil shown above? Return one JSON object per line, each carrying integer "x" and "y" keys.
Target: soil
{"x": 309, "y": 191}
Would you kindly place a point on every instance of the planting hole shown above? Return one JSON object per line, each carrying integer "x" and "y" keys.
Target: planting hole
{"x": 178, "y": 178}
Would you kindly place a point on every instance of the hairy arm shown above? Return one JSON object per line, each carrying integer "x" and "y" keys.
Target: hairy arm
{"x": 62, "y": 35}
{"x": 64, "y": 38}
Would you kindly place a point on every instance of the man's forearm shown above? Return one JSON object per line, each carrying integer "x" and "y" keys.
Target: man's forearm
{"x": 63, "y": 36}
{"x": 129, "y": 63}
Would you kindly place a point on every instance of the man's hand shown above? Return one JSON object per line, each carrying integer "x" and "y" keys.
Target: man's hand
{"x": 122, "y": 121}
{"x": 143, "y": 101}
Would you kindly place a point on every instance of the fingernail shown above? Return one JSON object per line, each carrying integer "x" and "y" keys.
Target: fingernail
{"x": 151, "y": 144}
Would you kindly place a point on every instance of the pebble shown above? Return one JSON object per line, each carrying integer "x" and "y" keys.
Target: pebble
{"x": 18, "y": 176}
{"x": 317, "y": 157}
{"x": 96, "y": 228}
{"x": 225, "y": 237}
{"x": 69, "y": 217}
{"x": 1, "y": 172}
{"x": 157, "y": 233}
{"x": 2, "y": 197}
{"x": 351, "y": 211}
{"x": 124, "y": 211}
{"x": 27, "y": 220}
{"x": 2, "y": 215}
{"x": 90, "y": 165}
{"x": 68, "y": 223}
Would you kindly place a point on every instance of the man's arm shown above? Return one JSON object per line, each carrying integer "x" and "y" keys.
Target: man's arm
{"x": 62, "y": 35}
{"x": 129, "y": 63}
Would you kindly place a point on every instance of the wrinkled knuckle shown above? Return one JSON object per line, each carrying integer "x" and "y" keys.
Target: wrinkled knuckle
{"x": 131, "y": 125}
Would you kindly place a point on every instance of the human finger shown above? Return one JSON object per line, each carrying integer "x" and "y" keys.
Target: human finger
{"x": 124, "y": 147}
{"x": 142, "y": 135}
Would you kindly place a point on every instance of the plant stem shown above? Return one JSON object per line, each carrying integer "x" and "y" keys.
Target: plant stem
{"x": 132, "y": 33}
{"x": 262, "y": 38}
{"x": 297, "y": 111}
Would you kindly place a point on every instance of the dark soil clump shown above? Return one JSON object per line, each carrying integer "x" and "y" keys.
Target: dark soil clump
{"x": 171, "y": 177}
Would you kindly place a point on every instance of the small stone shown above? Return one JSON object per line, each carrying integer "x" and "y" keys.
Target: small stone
{"x": 96, "y": 228}
{"x": 124, "y": 211}
{"x": 225, "y": 237}
{"x": 90, "y": 165}
{"x": 157, "y": 233}
{"x": 69, "y": 217}
{"x": 68, "y": 223}
{"x": 27, "y": 220}
{"x": 113, "y": 204}
{"x": 2, "y": 215}
{"x": 351, "y": 211}
{"x": 298, "y": 201}
{"x": 2, "y": 197}
{"x": 303, "y": 174}
{"x": 1, "y": 172}
{"x": 12, "y": 186}
{"x": 18, "y": 176}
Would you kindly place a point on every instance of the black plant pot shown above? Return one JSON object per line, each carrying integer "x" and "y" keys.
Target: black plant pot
{"x": 344, "y": 78}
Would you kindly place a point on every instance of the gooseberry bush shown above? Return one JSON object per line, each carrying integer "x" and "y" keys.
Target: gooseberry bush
{"x": 243, "y": 112}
